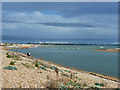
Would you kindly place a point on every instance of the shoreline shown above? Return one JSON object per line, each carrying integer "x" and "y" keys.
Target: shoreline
{"x": 112, "y": 78}
{"x": 20, "y": 46}
{"x": 108, "y": 50}
{"x": 90, "y": 74}
{"x": 25, "y": 46}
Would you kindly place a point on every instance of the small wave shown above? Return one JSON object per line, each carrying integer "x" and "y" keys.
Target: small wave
{"x": 73, "y": 43}
{"x": 115, "y": 43}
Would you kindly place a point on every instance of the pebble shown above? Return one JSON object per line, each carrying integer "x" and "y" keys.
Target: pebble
{"x": 28, "y": 78}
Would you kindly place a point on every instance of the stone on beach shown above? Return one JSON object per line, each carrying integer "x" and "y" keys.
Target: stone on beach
{"x": 26, "y": 77}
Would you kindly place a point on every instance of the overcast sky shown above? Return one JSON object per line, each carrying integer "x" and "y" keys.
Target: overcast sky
{"x": 78, "y": 20}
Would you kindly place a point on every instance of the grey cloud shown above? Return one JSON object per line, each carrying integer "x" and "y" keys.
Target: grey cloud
{"x": 67, "y": 20}
{"x": 55, "y": 24}
{"x": 10, "y": 21}
{"x": 66, "y": 9}
{"x": 67, "y": 24}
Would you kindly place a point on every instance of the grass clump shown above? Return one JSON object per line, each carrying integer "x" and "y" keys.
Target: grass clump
{"x": 99, "y": 84}
{"x": 73, "y": 83}
{"x": 17, "y": 58}
{"x": 39, "y": 72}
{"x": 36, "y": 65}
{"x": 53, "y": 67}
{"x": 92, "y": 87}
{"x": 12, "y": 63}
{"x": 60, "y": 70}
{"x": 84, "y": 85}
{"x": 26, "y": 65}
{"x": 66, "y": 71}
{"x": 10, "y": 68}
{"x": 64, "y": 74}
{"x": 43, "y": 68}
{"x": 9, "y": 56}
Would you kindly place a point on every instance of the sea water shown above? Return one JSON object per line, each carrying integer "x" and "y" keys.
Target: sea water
{"x": 78, "y": 56}
{"x": 66, "y": 41}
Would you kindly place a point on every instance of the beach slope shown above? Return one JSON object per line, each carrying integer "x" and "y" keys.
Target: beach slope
{"x": 30, "y": 72}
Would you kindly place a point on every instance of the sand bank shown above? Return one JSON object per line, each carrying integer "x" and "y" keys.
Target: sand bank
{"x": 20, "y": 46}
{"x": 108, "y": 50}
{"x": 28, "y": 75}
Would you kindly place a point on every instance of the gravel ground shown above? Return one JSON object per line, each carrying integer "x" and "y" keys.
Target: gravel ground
{"x": 33, "y": 77}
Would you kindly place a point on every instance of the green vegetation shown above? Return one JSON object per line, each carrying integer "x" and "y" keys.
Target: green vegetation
{"x": 43, "y": 68}
{"x": 99, "y": 84}
{"x": 64, "y": 74}
{"x": 75, "y": 73}
{"x": 44, "y": 64}
{"x": 16, "y": 58}
{"x": 53, "y": 67}
{"x": 9, "y": 56}
{"x": 26, "y": 65}
{"x": 63, "y": 86}
{"x": 66, "y": 71}
{"x": 11, "y": 44}
{"x": 12, "y": 63}
{"x": 92, "y": 87}
{"x": 10, "y": 68}
{"x": 78, "y": 86}
{"x": 39, "y": 72}
{"x": 84, "y": 84}
{"x": 60, "y": 70}
{"x": 76, "y": 77}
{"x": 36, "y": 65}
{"x": 74, "y": 84}
{"x": 117, "y": 89}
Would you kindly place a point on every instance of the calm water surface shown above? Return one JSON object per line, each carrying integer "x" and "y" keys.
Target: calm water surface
{"x": 78, "y": 56}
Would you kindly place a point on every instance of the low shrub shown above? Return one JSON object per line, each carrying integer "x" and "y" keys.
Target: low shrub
{"x": 53, "y": 67}
{"x": 28, "y": 66}
{"x": 64, "y": 74}
{"x": 66, "y": 71}
{"x": 99, "y": 84}
{"x": 17, "y": 58}
{"x": 43, "y": 68}
{"x": 84, "y": 84}
{"x": 36, "y": 65}
{"x": 39, "y": 72}
{"x": 8, "y": 56}
{"x": 12, "y": 63}
{"x": 10, "y": 68}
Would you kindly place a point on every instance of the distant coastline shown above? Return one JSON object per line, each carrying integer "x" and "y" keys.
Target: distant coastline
{"x": 66, "y": 42}
{"x": 30, "y": 45}
{"x": 108, "y": 50}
